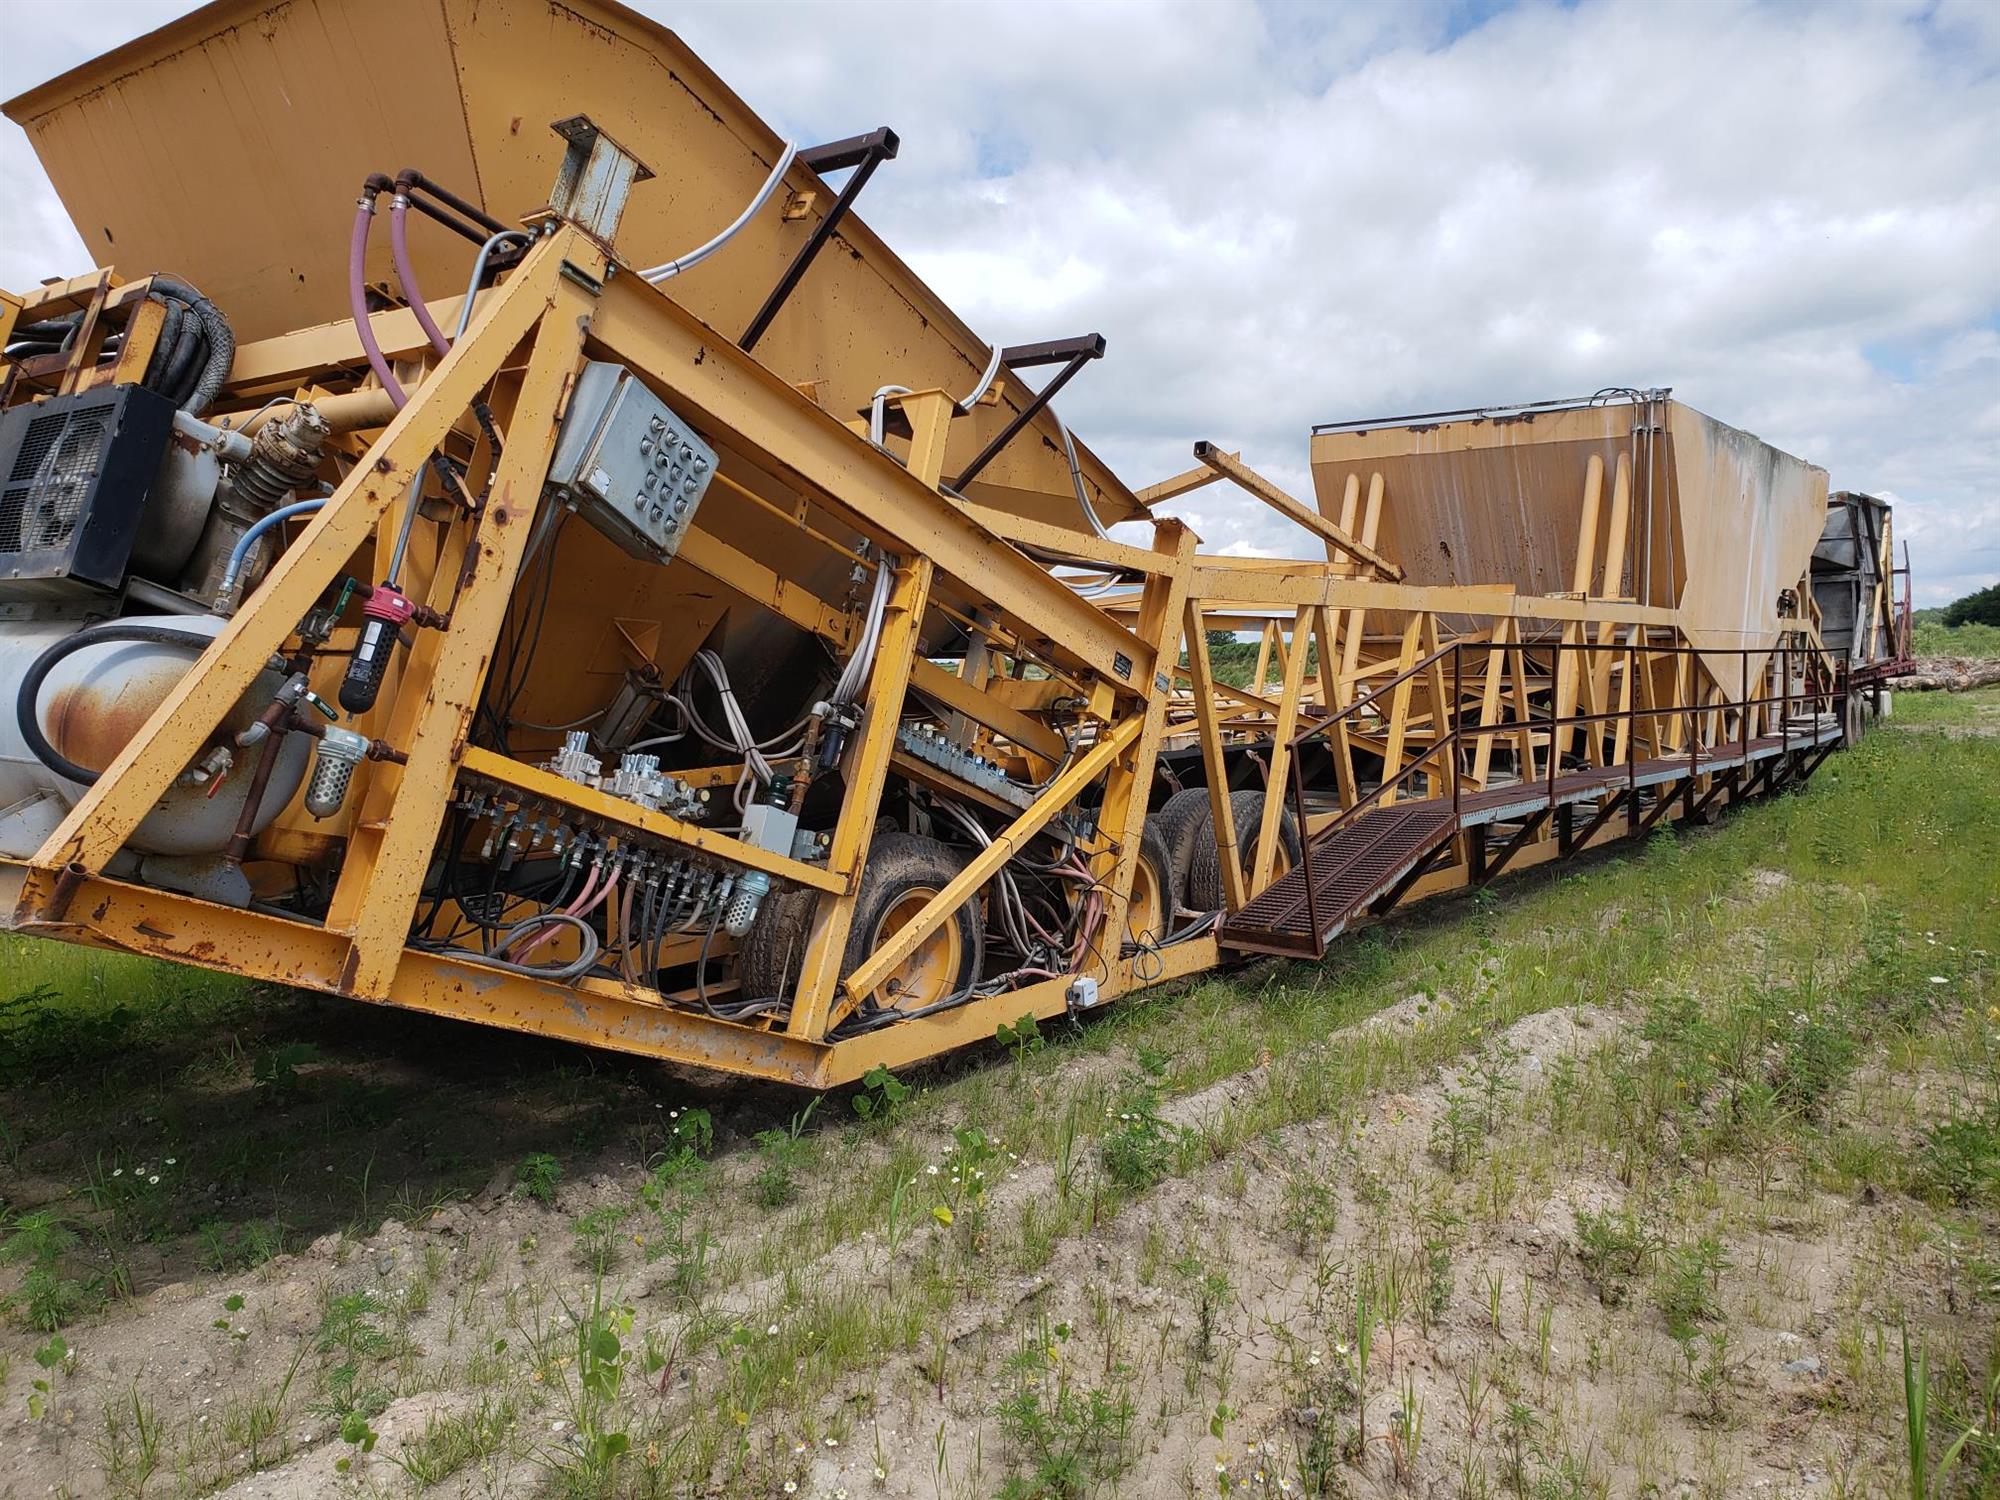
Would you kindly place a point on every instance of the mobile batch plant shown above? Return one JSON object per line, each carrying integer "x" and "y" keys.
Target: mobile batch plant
{"x": 509, "y": 541}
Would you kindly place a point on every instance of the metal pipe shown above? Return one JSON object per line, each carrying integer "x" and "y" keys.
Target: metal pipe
{"x": 274, "y": 719}
{"x": 352, "y": 411}
{"x": 410, "y": 177}
{"x": 695, "y": 257}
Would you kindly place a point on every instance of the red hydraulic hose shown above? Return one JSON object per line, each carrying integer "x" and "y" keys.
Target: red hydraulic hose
{"x": 515, "y": 953}
{"x": 579, "y": 908}
{"x": 357, "y": 297}
{"x": 399, "y": 247}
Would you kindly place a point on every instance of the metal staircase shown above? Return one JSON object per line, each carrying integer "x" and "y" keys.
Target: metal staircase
{"x": 1345, "y": 869}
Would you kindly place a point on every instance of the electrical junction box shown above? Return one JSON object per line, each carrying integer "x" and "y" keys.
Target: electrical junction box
{"x": 631, "y": 467}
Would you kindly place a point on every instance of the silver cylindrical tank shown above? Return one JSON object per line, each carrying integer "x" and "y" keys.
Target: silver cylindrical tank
{"x": 93, "y": 702}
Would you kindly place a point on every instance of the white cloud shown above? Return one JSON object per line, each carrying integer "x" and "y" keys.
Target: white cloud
{"x": 1291, "y": 213}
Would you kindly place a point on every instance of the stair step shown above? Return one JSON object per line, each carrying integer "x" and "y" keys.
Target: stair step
{"x": 1352, "y": 865}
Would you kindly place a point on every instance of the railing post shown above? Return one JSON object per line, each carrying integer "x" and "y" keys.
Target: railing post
{"x": 1694, "y": 740}
{"x": 1457, "y": 703}
{"x": 1305, "y": 857}
{"x": 1743, "y": 714}
{"x": 1555, "y": 715}
{"x": 1631, "y": 744}
{"x": 1785, "y": 715}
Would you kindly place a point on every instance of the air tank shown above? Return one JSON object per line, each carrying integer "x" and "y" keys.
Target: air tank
{"x": 90, "y": 706}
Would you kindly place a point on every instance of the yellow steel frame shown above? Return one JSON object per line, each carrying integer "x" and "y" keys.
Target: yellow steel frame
{"x": 1096, "y": 719}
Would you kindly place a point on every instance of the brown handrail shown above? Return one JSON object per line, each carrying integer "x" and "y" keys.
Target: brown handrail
{"x": 1556, "y": 722}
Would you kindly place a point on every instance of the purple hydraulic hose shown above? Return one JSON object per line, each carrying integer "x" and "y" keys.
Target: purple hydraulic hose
{"x": 357, "y": 299}
{"x": 406, "y": 274}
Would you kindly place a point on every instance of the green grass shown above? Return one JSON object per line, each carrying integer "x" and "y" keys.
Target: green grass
{"x": 1870, "y": 883}
{"x": 1932, "y": 638}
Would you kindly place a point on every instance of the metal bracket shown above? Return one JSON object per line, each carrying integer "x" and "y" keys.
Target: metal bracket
{"x": 597, "y": 177}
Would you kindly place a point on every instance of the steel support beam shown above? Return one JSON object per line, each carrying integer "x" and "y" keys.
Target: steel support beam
{"x": 713, "y": 382}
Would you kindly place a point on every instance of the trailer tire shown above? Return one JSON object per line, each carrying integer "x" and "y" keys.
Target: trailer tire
{"x": 1149, "y": 915}
{"x": 1246, "y": 809}
{"x": 1181, "y": 819}
{"x": 768, "y": 963}
{"x": 902, "y": 873}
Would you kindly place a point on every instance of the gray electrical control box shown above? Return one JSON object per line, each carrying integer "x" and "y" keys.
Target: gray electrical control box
{"x": 631, "y": 467}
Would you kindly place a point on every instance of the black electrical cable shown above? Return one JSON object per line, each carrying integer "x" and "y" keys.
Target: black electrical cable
{"x": 163, "y": 346}
{"x": 513, "y": 677}
{"x": 180, "y": 358}
{"x": 27, "y": 706}
{"x": 701, "y": 964}
{"x": 662, "y": 914}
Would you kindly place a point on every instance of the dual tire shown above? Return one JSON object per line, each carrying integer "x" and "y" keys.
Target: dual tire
{"x": 1186, "y": 824}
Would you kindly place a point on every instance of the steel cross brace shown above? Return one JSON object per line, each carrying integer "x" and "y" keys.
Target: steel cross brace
{"x": 864, "y": 153}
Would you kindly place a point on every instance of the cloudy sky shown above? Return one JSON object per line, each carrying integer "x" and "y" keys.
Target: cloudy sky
{"x": 1286, "y": 213}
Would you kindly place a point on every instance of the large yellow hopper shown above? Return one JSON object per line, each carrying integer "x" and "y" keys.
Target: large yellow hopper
{"x": 229, "y": 147}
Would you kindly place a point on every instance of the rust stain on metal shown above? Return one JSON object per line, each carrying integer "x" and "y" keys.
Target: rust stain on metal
{"x": 91, "y": 724}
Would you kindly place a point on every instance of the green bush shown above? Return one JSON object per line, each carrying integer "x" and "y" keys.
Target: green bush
{"x": 1613, "y": 1247}
{"x": 1959, "y": 1160}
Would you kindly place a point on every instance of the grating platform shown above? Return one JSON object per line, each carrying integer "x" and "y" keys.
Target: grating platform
{"x": 1357, "y": 864}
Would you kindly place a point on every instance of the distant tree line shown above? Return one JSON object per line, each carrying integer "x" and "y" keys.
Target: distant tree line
{"x": 1981, "y": 608}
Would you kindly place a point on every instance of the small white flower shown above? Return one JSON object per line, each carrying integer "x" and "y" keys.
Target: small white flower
{"x": 932, "y": 1169}
{"x": 791, "y": 1486}
{"x": 833, "y": 1442}
{"x": 1312, "y": 1359}
{"x": 880, "y": 1472}
{"x": 154, "y": 1180}
{"x": 117, "y": 1171}
{"x": 171, "y": 1160}
{"x": 772, "y": 1330}
{"x": 840, "y": 1494}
